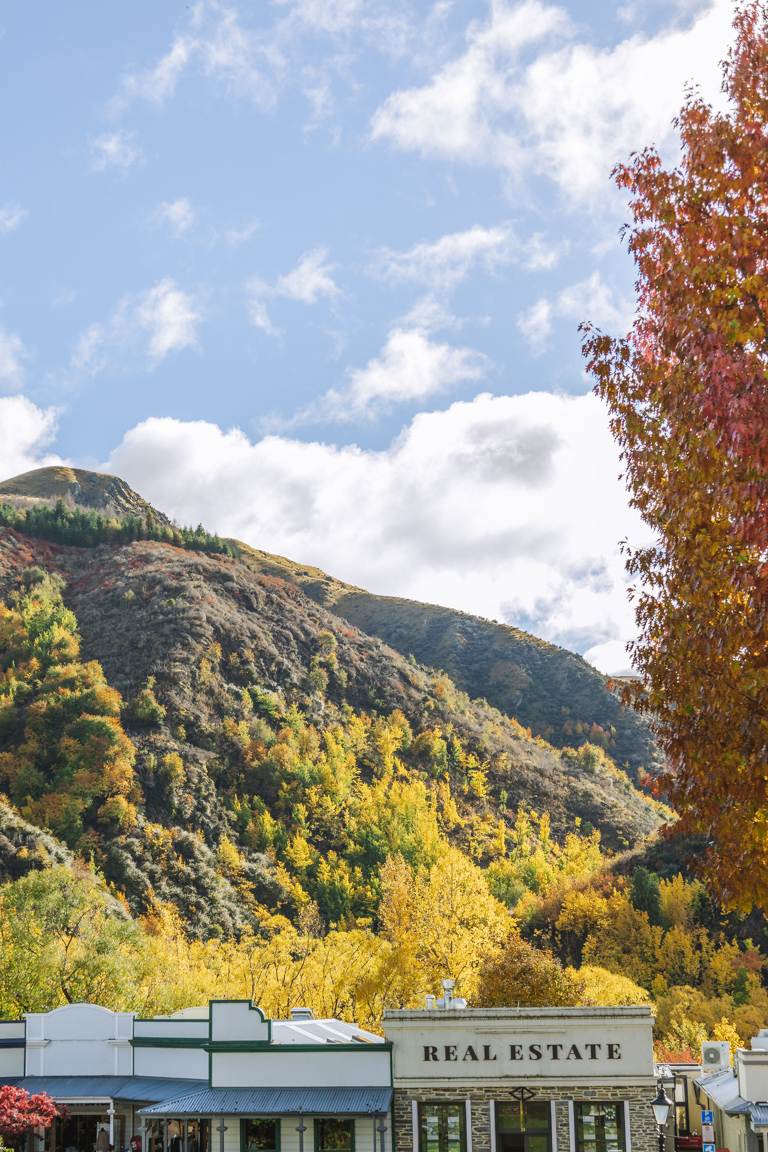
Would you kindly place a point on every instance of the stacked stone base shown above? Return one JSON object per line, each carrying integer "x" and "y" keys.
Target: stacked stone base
{"x": 643, "y": 1133}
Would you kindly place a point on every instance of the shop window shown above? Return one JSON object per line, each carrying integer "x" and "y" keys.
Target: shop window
{"x": 334, "y": 1135}
{"x": 442, "y": 1128}
{"x": 600, "y": 1127}
{"x": 257, "y": 1135}
{"x": 522, "y": 1125}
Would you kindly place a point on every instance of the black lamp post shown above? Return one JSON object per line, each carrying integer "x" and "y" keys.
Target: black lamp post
{"x": 661, "y": 1106}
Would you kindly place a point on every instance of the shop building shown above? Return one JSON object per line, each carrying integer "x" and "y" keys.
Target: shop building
{"x": 737, "y": 1097}
{"x": 523, "y": 1079}
{"x": 447, "y": 1079}
{"x": 222, "y": 1078}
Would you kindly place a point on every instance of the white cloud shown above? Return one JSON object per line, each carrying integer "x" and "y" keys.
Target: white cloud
{"x": 535, "y": 323}
{"x": 26, "y": 431}
{"x": 147, "y": 325}
{"x": 11, "y": 215}
{"x": 410, "y": 368}
{"x": 594, "y": 300}
{"x": 590, "y": 300}
{"x": 519, "y": 98}
{"x": 169, "y": 317}
{"x": 114, "y": 150}
{"x": 237, "y": 236}
{"x": 242, "y": 62}
{"x": 12, "y": 357}
{"x": 611, "y": 657}
{"x": 456, "y": 113}
{"x": 445, "y": 262}
{"x": 179, "y": 215}
{"x": 310, "y": 281}
{"x": 508, "y": 507}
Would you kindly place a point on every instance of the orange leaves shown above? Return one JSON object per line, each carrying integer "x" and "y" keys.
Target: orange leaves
{"x": 688, "y": 398}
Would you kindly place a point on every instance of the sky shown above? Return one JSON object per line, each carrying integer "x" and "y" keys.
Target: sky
{"x": 311, "y": 272}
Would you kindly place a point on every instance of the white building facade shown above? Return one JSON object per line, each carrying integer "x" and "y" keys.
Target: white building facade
{"x": 218, "y": 1079}
{"x": 224, "y": 1078}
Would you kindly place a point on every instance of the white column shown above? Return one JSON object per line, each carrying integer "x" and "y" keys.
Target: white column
{"x": 492, "y": 1119}
{"x": 627, "y": 1128}
{"x": 552, "y": 1125}
{"x": 112, "y": 1122}
{"x": 415, "y": 1124}
{"x": 468, "y": 1107}
{"x": 571, "y": 1126}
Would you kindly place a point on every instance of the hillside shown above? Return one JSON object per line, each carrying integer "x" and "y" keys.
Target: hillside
{"x": 272, "y": 749}
{"x": 548, "y": 689}
{"x": 76, "y": 486}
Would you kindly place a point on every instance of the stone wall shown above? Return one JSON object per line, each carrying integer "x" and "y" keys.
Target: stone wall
{"x": 643, "y": 1131}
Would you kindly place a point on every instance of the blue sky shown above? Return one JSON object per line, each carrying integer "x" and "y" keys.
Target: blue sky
{"x": 312, "y": 270}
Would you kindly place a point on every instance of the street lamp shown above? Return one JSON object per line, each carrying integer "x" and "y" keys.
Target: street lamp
{"x": 661, "y": 1106}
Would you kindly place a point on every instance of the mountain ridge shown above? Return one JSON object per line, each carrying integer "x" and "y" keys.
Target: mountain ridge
{"x": 239, "y": 692}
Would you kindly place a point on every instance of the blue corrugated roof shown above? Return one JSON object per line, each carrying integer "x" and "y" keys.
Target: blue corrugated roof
{"x": 276, "y": 1102}
{"x": 143, "y": 1089}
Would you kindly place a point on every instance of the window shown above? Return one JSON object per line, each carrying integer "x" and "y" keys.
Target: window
{"x": 442, "y": 1128}
{"x": 522, "y": 1125}
{"x": 258, "y": 1135}
{"x": 599, "y": 1127}
{"x": 682, "y": 1127}
{"x": 334, "y": 1135}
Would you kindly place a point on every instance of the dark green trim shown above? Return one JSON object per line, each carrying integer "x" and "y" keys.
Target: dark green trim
{"x": 236, "y": 1045}
{"x": 271, "y": 1120}
{"x": 168, "y": 1042}
{"x": 264, "y": 1046}
{"x": 352, "y": 1120}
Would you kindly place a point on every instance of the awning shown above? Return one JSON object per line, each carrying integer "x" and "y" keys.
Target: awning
{"x": 276, "y": 1102}
{"x": 139, "y": 1089}
{"x": 758, "y": 1115}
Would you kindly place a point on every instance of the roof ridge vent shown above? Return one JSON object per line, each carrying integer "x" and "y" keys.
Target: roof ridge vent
{"x": 300, "y": 1013}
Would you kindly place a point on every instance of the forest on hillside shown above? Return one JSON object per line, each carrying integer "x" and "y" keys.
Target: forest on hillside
{"x": 357, "y": 858}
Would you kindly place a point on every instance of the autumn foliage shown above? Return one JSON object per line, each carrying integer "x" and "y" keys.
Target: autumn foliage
{"x": 20, "y": 1111}
{"x": 687, "y": 392}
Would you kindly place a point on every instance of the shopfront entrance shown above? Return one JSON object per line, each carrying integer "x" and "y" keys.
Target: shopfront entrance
{"x": 523, "y": 1125}
{"x": 85, "y": 1131}
{"x": 178, "y": 1135}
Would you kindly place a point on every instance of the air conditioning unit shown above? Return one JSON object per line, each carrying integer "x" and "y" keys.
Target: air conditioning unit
{"x": 715, "y": 1055}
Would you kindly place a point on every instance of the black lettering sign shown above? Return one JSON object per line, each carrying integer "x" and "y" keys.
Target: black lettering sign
{"x": 487, "y": 1053}
{"x": 573, "y": 1053}
{"x": 430, "y": 1052}
{"x": 515, "y": 1051}
{"x": 534, "y": 1051}
{"x": 470, "y": 1053}
{"x": 554, "y": 1050}
{"x": 614, "y": 1051}
{"x": 450, "y": 1052}
{"x": 593, "y": 1049}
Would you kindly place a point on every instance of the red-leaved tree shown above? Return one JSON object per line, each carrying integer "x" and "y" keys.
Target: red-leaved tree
{"x": 687, "y": 393}
{"x": 20, "y": 1111}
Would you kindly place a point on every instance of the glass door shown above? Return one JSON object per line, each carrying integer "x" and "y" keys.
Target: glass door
{"x": 442, "y": 1127}
{"x": 522, "y": 1126}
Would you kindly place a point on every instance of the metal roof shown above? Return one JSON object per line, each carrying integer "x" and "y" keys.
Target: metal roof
{"x": 143, "y": 1089}
{"x": 276, "y": 1102}
{"x": 308, "y": 1030}
{"x": 758, "y": 1114}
